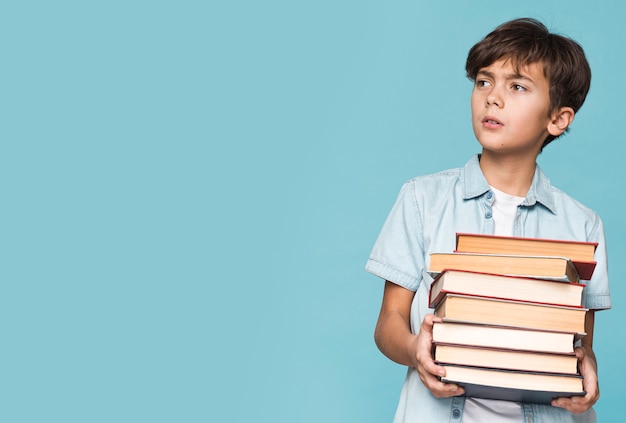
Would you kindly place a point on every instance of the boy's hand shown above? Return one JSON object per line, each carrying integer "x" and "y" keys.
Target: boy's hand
{"x": 588, "y": 371}
{"x": 428, "y": 370}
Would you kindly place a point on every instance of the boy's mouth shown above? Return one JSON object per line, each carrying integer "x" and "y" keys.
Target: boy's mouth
{"x": 491, "y": 122}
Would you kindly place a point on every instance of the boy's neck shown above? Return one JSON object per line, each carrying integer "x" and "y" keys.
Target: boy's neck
{"x": 510, "y": 174}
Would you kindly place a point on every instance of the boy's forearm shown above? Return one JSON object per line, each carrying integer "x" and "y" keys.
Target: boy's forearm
{"x": 393, "y": 330}
{"x": 589, "y": 352}
{"x": 394, "y": 339}
{"x": 587, "y": 340}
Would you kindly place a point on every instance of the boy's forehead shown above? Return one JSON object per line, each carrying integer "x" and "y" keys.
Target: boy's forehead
{"x": 516, "y": 67}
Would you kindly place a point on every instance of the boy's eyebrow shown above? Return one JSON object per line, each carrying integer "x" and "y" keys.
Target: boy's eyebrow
{"x": 509, "y": 76}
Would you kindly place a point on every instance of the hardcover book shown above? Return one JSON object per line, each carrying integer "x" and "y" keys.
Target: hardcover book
{"x": 509, "y": 287}
{"x": 506, "y": 359}
{"x": 504, "y": 337}
{"x": 579, "y": 252}
{"x": 529, "y": 387}
{"x": 542, "y": 267}
{"x": 493, "y": 311}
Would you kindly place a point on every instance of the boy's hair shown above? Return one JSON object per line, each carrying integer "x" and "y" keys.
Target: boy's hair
{"x": 527, "y": 41}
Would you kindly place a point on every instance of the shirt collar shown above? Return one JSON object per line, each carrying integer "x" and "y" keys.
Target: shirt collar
{"x": 539, "y": 192}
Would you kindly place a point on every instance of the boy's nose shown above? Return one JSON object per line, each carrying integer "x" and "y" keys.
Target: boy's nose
{"x": 494, "y": 100}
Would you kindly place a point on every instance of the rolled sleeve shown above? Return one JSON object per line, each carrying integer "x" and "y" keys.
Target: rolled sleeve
{"x": 597, "y": 295}
{"x": 398, "y": 253}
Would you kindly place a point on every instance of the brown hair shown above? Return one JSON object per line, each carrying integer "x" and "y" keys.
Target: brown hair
{"x": 526, "y": 41}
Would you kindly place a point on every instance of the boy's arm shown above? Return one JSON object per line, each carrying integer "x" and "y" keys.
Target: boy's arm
{"x": 589, "y": 371}
{"x": 394, "y": 339}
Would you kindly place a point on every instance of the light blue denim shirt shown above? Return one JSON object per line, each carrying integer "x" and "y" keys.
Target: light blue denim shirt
{"x": 428, "y": 213}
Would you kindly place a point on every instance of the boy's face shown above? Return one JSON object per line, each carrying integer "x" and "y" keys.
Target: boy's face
{"x": 511, "y": 108}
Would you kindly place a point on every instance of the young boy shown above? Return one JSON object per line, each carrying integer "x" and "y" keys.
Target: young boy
{"x": 529, "y": 83}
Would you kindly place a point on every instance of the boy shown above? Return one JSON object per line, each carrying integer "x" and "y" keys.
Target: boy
{"x": 529, "y": 84}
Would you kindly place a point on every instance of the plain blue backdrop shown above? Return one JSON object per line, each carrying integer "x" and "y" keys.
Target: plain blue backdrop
{"x": 190, "y": 191}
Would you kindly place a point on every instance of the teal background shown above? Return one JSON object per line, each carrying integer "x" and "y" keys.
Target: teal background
{"x": 190, "y": 191}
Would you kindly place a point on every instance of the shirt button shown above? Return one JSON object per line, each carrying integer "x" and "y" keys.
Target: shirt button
{"x": 488, "y": 215}
{"x": 456, "y": 413}
{"x": 489, "y": 194}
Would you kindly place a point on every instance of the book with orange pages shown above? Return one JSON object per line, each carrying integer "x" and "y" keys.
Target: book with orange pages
{"x": 542, "y": 267}
{"x": 506, "y": 359}
{"x": 579, "y": 252}
{"x": 510, "y": 287}
{"x": 491, "y": 311}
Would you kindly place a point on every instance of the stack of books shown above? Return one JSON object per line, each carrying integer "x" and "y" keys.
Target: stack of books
{"x": 512, "y": 311}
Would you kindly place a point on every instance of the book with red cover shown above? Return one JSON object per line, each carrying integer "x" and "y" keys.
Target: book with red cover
{"x": 581, "y": 253}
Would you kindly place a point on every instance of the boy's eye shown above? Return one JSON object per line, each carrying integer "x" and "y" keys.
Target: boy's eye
{"x": 482, "y": 83}
{"x": 518, "y": 87}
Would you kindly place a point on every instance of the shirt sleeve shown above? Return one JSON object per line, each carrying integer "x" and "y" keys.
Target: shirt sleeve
{"x": 596, "y": 295}
{"x": 398, "y": 253}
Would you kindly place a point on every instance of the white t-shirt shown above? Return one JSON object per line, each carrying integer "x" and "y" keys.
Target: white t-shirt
{"x": 479, "y": 410}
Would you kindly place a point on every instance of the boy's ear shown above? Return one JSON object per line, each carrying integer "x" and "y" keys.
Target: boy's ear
{"x": 561, "y": 120}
